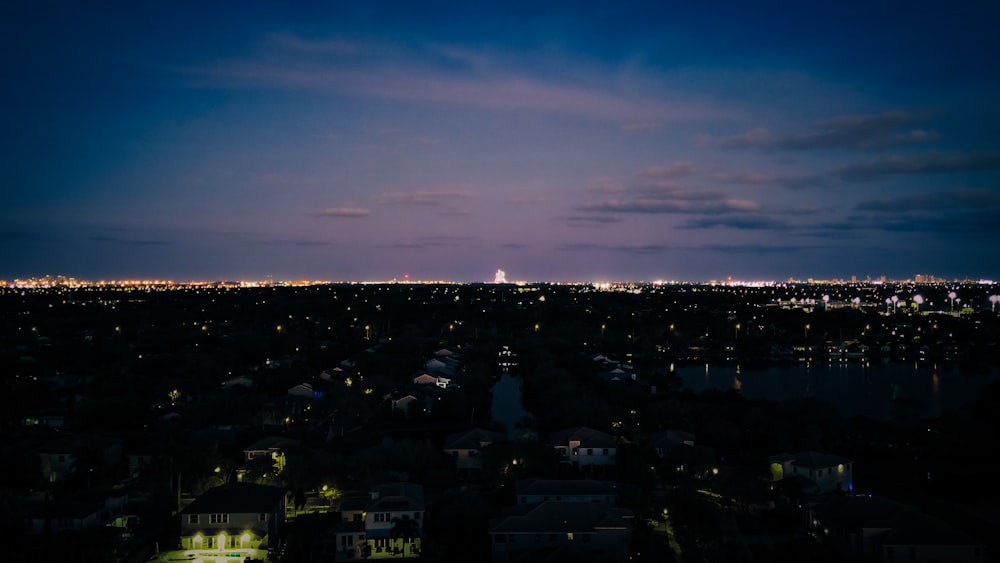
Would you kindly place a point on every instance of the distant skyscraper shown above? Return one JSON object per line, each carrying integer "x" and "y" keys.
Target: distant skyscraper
{"x": 500, "y": 277}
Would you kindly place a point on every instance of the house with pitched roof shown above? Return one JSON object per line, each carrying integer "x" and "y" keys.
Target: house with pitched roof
{"x": 527, "y": 530}
{"x": 236, "y": 520}
{"x": 817, "y": 472}
{"x": 533, "y": 491}
{"x": 82, "y": 511}
{"x": 878, "y": 528}
{"x": 387, "y": 524}
{"x": 466, "y": 447}
{"x": 585, "y": 447}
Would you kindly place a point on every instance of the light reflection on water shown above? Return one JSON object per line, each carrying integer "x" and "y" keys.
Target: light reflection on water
{"x": 853, "y": 388}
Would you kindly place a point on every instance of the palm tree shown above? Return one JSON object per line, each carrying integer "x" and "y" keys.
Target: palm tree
{"x": 404, "y": 528}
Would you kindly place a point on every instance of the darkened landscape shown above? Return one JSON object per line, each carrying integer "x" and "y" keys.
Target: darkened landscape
{"x": 517, "y": 282}
{"x": 126, "y": 407}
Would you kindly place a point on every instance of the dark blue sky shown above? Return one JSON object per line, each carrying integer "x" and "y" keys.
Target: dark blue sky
{"x": 604, "y": 141}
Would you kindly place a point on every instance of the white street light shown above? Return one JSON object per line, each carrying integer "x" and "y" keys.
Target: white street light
{"x": 952, "y": 296}
{"x": 918, "y": 300}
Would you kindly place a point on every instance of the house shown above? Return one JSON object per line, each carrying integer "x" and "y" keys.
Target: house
{"x": 238, "y": 382}
{"x": 424, "y": 379}
{"x": 67, "y": 454}
{"x": 90, "y": 508}
{"x": 305, "y": 390}
{"x": 527, "y": 530}
{"x": 585, "y": 447}
{"x": 422, "y": 395}
{"x": 668, "y": 443}
{"x": 466, "y": 447}
{"x": 819, "y": 473}
{"x": 235, "y": 520}
{"x": 271, "y": 447}
{"x": 534, "y": 491}
{"x": 878, "y": 528}
{"x": 389, "y": 523}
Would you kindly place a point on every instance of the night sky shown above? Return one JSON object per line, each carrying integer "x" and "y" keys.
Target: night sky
{"x": 567, "y": 142}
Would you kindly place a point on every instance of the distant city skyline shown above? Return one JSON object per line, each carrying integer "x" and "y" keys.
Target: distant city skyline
{"x": 562, "y": 142}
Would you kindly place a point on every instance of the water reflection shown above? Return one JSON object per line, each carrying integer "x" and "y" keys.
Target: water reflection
{"x": 507, "y": 407}
{"x": 875, "y": 390}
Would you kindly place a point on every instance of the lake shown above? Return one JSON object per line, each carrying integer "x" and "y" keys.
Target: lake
{"x": 853, "y": 388}
{"x": 507, "y": 407}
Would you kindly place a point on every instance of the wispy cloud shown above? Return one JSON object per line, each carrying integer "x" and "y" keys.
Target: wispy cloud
{"x": 675, "y": 205}
{"x": 593, "y": 221}
{"x": 857, "y": 132}
{"x": 127, "y": 240}
{"x": 789, "y": 181}
{"x": 341, "y": 212}
{"x": 745, "y": 223}
{"x": 303, "y": 243}
{"x": 434, "y": 197}
{"x": 422, "y": 74}
{"x": 669, "y": 171}
{"x": 526, "y": 200}
{"x": 639, "y": 126}
{"x": 931, "y": 163}
{"x": 957, "y": 198}
{"x": 442, "y": 241}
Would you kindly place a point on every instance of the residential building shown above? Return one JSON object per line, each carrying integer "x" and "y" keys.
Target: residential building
{"x": 527, "y": 530}
{"x": 877, "y": 528}
{"x": 585, "y": 447}
{"x": 233, "y": 520}
{"x": 466, "y": 447}
{"x": 534, "y": 491}
{"x": 389, "y": 523}
{"x": 819, "y": 473}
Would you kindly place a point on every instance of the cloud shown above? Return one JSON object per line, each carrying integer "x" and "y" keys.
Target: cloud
{"x": 438, "y": 241}
{"x": 341, "y": 212}
{"x": 643, "y": 249}
{"x": 593, "y": 221}
{"x": 455, "y": 211}
{"x": 672, "y": 205}
{"x": 298, "y": 45}
{"x": 856, "y": 132}
{"x": 791, "y": 182}
{"x": 932, "y": 163}
{"x": 670, "y": 171}
{"x": 421, "y": 197}
{"x": 606, "y": 186}
{"x": 640, "y": 126}
{"x": 755, "y": 138}
{"x": 304, "y": 243}
{"x": 526, "y": 200}
{"x": 751, "y": 248}
{"x": 126, "y": 240}
{"x": 959, "y": 198}
{"x": 746, "y": 223}
{"x": 425, "y": 74}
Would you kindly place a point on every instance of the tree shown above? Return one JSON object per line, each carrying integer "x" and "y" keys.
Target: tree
{"x": 403, "y": 529}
